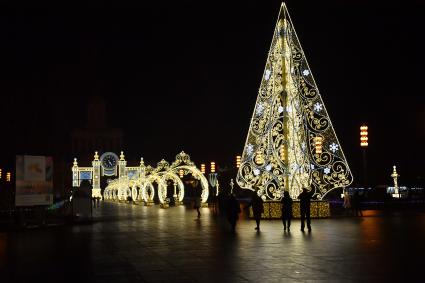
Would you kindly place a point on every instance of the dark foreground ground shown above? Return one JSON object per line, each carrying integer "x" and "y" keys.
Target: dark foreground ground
{"x": 128, "y": 243}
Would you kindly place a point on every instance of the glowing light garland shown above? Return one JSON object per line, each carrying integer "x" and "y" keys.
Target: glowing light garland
{"x": 281, "y": 151}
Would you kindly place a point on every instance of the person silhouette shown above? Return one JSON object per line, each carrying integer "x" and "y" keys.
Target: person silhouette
{"x": 197, "y": 204}
{"x": 233, "y": 210}
{"x": 257, "y": 208}
{"x": 304, "y": 198}
{"x": 356, "y": 204}
{"x": 286, "y": 210}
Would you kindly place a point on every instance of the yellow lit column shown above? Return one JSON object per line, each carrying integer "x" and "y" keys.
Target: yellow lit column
{"x": 96, "y": 192}
{"x": 364, "y": 143}
{"x": 75, "y": 177}
{"x": 122, "y": 164}
{"x": 238, "y": 161}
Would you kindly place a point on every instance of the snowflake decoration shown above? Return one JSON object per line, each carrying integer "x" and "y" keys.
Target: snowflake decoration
{"x": 312, "y": 166}
{"x": 269, "y": 167}
{"x": 303, "y": 146}
{"x": 249, "y": 149}
{"x": 334, "y": 147}
{"x": 280, "y": 109}
{"x": 260, "y": 109}
{"x": 306, "y": 72}
{"x": 256, "y": 172}
{"x": 294, "y": 167}
{"x": 267, "y": 75}
{"x": 289, "y": 109}
{"x": 318, "y": 107}
{"x": 327, "y": 170}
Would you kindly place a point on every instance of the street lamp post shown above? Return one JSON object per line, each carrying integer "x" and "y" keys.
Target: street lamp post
{"x": 364, "y": 143}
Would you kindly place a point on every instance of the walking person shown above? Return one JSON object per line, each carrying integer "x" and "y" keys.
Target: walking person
{"x": 257, "y": 208}
{"x": 233, "y": 210}
{"x": 286, "y": 210}
{"x": 347, "y": 203}
{"x": 356, "y": 204}
{"x": 197, "y": 204}
{"x": 304, "y": 198}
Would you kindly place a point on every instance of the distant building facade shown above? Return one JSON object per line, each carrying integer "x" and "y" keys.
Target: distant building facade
{"x": 96, "y": 135}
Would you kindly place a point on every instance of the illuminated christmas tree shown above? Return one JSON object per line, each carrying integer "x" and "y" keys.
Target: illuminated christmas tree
{"x": 291, "y": 142}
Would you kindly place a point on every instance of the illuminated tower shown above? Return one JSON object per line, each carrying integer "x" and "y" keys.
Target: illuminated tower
{"x": 291, "y": 142}
{"x": 96, "y": 191}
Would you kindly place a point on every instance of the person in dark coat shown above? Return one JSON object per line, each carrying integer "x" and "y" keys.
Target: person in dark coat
{"x": 257, "y": 208}
{"x": 356, "y": 204}
{"x": 197, "y": 204}
{"x": 304, "y": 198}
{"x": 233, "y": 210}
{"x": 286, "y": 210}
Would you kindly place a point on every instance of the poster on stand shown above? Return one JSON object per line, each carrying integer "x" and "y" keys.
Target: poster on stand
{"x": 34, "y": 180}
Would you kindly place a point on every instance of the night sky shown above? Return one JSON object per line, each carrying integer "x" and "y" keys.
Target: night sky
{"x": 184, "y": 75}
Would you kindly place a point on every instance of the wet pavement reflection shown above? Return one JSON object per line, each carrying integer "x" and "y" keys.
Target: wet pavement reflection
{"x": 131, "y": 243}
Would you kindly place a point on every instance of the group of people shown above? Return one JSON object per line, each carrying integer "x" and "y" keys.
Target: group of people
{"x": 351, "y": 204}
{"x": 286, "y": 201}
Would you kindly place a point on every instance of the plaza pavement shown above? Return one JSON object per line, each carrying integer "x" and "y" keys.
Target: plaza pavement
{"x": 131, "y": 243}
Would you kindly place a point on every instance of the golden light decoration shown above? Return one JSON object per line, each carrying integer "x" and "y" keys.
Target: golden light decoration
{"x": 212, "y": 167}
{"x": 181, "y": 173}
{"x": 364, "y": 140}
{"x": 238, "y": 161}
{"x": 0, "y": 173}
{"x": 203, "y": 168}
{"x": 8, "y": 177}
{"x": 259, "y": 158}
{"x": 280, "y": 150}
{"x": 318, "y": 144}
{"x": 273, "y": 210}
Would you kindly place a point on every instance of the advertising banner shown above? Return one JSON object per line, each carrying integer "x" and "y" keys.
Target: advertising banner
{"x": 34, "y": 180}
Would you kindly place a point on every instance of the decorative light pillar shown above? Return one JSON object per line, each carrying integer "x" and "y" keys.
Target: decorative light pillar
{"x": 203, "y": 168}
{"x": 75, "y": 182}
{"x": 212, "y": 167}
{"x": 8, "y": 177}
{"x": 142, "y": 169}
{"x": 395, "y": 176}
{"x": 364, "y": 143}
{"x": 231, "y": 186}
{"x": 122, "y": 164}
{"x": 96, "y": 191}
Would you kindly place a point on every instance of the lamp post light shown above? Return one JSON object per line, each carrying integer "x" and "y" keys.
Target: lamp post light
{"x": 238, "y": 161}
{"x": 318, "y": 141}
{"x": 364, "y": 143}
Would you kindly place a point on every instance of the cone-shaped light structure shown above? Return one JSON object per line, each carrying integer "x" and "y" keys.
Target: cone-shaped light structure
{"x": 280, "y": 150}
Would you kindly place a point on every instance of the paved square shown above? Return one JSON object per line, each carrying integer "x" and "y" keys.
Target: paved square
{"x": 129, "y": 243}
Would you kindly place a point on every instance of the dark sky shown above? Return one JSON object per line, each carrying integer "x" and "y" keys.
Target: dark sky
{"x": 184, "y": 75}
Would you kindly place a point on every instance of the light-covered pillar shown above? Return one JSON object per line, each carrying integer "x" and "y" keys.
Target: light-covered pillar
{"x": 75, "y": 173}
{"x": 122, "y": 164}
{"x": 96, "y": 191}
